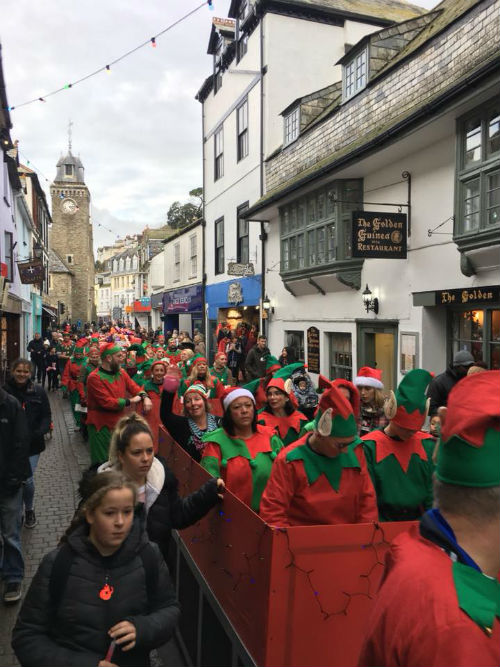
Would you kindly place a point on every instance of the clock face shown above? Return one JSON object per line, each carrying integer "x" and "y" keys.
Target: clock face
{"x": 68, "y": 206}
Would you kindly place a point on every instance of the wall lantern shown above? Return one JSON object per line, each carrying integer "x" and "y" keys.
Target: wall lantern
{"x": 37, "y": 250}
{"x": 370, "y": 303}
{"x": 266, "y": 305}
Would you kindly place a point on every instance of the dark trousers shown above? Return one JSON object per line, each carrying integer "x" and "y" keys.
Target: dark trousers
{"x": 53, "y": 380}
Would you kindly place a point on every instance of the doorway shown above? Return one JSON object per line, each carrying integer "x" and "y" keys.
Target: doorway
{"x": 377, "y": 347}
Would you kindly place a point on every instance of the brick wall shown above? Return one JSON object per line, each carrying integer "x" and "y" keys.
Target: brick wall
{"x": 466, "y": 45}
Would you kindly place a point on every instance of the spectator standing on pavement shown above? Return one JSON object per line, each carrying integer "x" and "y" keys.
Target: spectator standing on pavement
{"x": 442, "y": 384}
{"x": 439, "y": 603}
{"x": 108, "y": 388}
{"x": 36, "y": 406}
{"x": 255, "y": 364}
{"x": 115, "y": 590}
{"x": 14, "y": 469}
{"x": 52, "y": 370}
{"x": 35, "y": 348}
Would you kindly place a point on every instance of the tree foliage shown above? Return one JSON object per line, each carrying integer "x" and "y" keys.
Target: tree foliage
{"x": 179, "y": 215}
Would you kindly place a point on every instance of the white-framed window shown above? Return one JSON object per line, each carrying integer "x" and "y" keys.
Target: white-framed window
{"x": 134, "y": 262}
{"x": 193, "y": 255}
{"x": 355, "y": 75}
{"x": 219, "y": 246}
{"x": 9, "y": 255}
{"x": 177, "y": 262}
{"x": 291, "y": 126}
{"x": 128, "y": 263}
{"x": 242, "y": 247}
{"x": 219, "y": 153}
{"x": 122, "y": 264}
{"x": 242, "y": 130}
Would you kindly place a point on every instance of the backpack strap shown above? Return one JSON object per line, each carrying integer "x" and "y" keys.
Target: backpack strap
{"x": 59, "y": 575}
{"x": 151, "y": 570}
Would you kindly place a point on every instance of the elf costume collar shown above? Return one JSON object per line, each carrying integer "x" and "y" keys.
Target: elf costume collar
{"x": 316, "y": 464}
{"x": 293, "y": 421}
{"x": 231, "y": 447}
{"x": 402, "y": 450}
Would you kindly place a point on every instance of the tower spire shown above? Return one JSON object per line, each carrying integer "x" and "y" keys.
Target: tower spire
{"x": 70, "y": 125}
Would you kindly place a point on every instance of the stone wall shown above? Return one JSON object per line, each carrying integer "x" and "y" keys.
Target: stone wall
{"x": 469, "y": 43}
{"x": 62, "y": 290}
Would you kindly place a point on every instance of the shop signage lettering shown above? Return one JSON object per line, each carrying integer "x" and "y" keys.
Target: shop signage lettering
{"x": 236, "y": 269}
{"x": 378, "y": 235}
{"x": 313, "y": 360}
{"x": 468, "y": 295}
{"x": 235, "y": 294}
{"x": 184, "y": 300}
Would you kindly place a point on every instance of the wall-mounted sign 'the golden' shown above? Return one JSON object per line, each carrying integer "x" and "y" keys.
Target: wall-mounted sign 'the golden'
{"x": 378, "y": 235}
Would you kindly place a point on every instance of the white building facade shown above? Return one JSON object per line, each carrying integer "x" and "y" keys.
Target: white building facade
{"x": 415, "y": 131}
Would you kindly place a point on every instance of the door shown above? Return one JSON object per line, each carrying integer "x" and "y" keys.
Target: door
{"x": 377, "y": 347}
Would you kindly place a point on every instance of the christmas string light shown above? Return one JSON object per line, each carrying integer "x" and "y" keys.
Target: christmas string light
{"x": 107, "y": 68}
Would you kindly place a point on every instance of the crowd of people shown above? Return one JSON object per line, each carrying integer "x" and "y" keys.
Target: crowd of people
{"x": 296, "y": 453}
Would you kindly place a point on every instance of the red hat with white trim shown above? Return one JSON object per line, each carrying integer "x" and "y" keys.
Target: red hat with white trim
{"x": 232, "y": 393}
{"x": 369, "y": 377}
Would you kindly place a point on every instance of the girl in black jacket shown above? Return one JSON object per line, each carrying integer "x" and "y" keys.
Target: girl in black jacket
{"x": 36, "y": 405}
{"x": 105, "y": 613}
{"x": 131, "y": 451}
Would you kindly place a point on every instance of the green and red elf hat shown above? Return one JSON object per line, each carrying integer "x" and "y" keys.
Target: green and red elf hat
{"x": 285, "y": 387}
{"x": 80, "y": 346}
{"x": 469, "y": 448}
{"x": 408, "y": 407}
{"x": 159, "y": 362}
{"x": 335, "y": 416}
{"x": 272, "y": 364}
{"x": 198, "y": 359}
{"x": 286, "y": 371}
{"x": 139, "y": 350}
{"x": 109, "y": 348}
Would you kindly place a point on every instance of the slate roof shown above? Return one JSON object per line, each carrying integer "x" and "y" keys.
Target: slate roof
{"x": 56, "y": 264}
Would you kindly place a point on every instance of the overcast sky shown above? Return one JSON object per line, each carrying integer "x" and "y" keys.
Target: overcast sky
{"x": 137, "y": 129}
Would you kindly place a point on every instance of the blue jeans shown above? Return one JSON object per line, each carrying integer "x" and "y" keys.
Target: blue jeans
{"x": 29, "y": 484}
{"x": 12, "y": 562}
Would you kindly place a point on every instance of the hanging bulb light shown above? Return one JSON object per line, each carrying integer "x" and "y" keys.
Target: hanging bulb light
{"x": 153, "y": 42}
{"x": 108, "y": 69}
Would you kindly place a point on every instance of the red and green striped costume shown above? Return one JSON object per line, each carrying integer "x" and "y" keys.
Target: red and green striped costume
{"x": 244, "y": 465}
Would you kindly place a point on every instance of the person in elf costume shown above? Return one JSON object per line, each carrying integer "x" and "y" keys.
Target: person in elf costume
{"x": 136, "y": 355}
{"x": 107, "y": 390}
{"x": 70, "y": 380}
{"x": 172, "y": 354}
{"x": 153, "y": 387}
{"x": 241, "y": 451}
{"x": 280, "y": 413}
{"x": 199, "y": 374}
{"x": 258, "y": 386}
{"x": 399, "y": 457}
{"x": 143, "y": 372}
{"x": 91, "y": 362}
{"x": 439, "y": 603}
{"x": 220, "y": 370}
{"x": 64, "y": 350}
{"x": 322, "y": 478}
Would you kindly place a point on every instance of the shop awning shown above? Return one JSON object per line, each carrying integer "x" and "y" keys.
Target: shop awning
{"x": 51, "y": 312}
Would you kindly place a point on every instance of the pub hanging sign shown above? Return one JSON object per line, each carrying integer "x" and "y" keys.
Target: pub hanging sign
{"x": 379, "y": 235}
{"x": 31, "y": 272}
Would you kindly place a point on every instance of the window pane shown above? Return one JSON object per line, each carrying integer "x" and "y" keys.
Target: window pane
{"x": 471, "y": 205}
{"x": 330, "y": 201}
{"x": 494, "y": 132}
{"x": 331, "y": 242}
{"x": 285, "y": 262}
{"x": 311, "y": 247}
{"x": 340, "y": 356}
{"x": 495, "y": 325}
{"x": 285, "y": 220}
{"x": 321, "y": 206}
{"x": 293, "y": 217}
{"x": 493, "y": 192}
{"x": 301, "y": 215}
{"x": 472, "y": 141}
{"x": 300, "y": 251}
{"x": 244, "y": 250}
{"x": 293, "y": 252}
{"x": 321, "y": 245}
{"x": 311, "y": 210}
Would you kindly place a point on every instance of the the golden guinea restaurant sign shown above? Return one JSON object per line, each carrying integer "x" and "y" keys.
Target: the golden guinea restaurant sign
{"x": 379, "y": 235}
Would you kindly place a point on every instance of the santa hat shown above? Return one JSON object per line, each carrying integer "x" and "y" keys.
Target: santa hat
{"x": 369, "y": 377}
{"x": 335, "y": 416}
{"x": 197, "y": 389}
{"x": 109, "y": 348}
{"x": 232, "y": 393}
{"x": 469, "y": 449}
{"x": 408, "y": 407}
{"x": 272, "y": 364}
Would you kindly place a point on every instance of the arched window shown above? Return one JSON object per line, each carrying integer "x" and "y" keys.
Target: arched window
{"x": 122, "y": 264}
{"x": 127, "y": 264}
{"x": 134, "y": 262}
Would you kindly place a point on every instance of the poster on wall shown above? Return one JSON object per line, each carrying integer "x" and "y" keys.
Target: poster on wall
{"x": 379, "y": 235}
{"x": 409, "y": 351}
{"x": 313, "y": 360}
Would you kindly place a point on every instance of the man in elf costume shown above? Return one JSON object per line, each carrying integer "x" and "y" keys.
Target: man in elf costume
{"x": 322, "y": 478}
{"x": 107, "y": 389}
{"x": 172, "y": 354}
{"x": 70, "y": 380}
{"x": 439, "y": 603}
{"x": 153, "y": 386}
{"x": 399, "y": 457}
{"x": 64, "y": 349}
{"x": 220, "y": 370}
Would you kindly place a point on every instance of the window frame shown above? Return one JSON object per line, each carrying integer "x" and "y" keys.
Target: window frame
{"x": 291, "y": 119}
{"x": 193, "y": 255}
{"x": 351, "y": 83}
{"x": 8, "y": 239}
{"x": 240, "y": 237}
{"x": 219, "y": 156}
{"x": 481, "y": 171}
{"x": 219, "y": 258}
{"x": 337, "y": 369}
{"x": 290, "y": 336}
{"x": 177, "y": 262}
{"x": 242, "y": 146}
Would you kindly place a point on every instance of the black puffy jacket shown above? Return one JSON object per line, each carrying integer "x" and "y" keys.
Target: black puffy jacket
{"x": 14, "y": 440}
{"x": 76, "y": 632}
{"x": 37, "y": 407}
{"x": 439, "y": 388}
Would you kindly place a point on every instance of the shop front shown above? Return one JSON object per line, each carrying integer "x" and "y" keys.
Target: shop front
{"x": 156, "y": 310}
{"x": 471, "y": 317}
{"x": 236, "y": 302}
{"x": 183, "y": 309}
{"x": 141, "y": 309}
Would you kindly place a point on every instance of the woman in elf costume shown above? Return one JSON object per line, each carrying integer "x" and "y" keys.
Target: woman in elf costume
{"x": 241, "y": 451}
{"x": 280, "y": 412}
{"x": 399, "y": 457}
{"x": 200, "y": 375}
{"x": 71, "y": 378}
{"x": 153, "y": 387}
{"x": 322, "y": 478}
{"x": 439, "y": 603}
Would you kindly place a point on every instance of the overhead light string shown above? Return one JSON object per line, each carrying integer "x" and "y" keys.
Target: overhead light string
{"x": 107, "y": 68}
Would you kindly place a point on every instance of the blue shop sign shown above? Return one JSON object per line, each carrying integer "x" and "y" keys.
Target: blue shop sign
{"x": 236, "y": 292}
{"x": 183, "y": 300}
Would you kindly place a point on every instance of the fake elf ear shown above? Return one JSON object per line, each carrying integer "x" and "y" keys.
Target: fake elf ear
{"x": 325, "y": 423}
{"x": 390, "y": 406}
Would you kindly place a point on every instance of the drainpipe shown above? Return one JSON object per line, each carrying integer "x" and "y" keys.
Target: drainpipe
{"x": 263, "y": 234}
{"x": 203, "y": 236}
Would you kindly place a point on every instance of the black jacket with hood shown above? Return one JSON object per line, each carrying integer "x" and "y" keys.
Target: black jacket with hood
{"x": 36, "y": 405}
{"x": 76, "y": 632}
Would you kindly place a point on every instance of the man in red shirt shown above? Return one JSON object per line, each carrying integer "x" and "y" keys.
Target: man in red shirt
{"x": 439, "y": 603}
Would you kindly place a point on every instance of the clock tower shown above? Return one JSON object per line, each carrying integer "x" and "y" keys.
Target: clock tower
{"x": 71, "y": 241}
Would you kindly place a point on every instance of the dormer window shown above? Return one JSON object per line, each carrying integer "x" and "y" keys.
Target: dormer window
{"x": 355, "y": 75}
{"x": 291, "y": 126}
{"x": 68, "y": 170}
